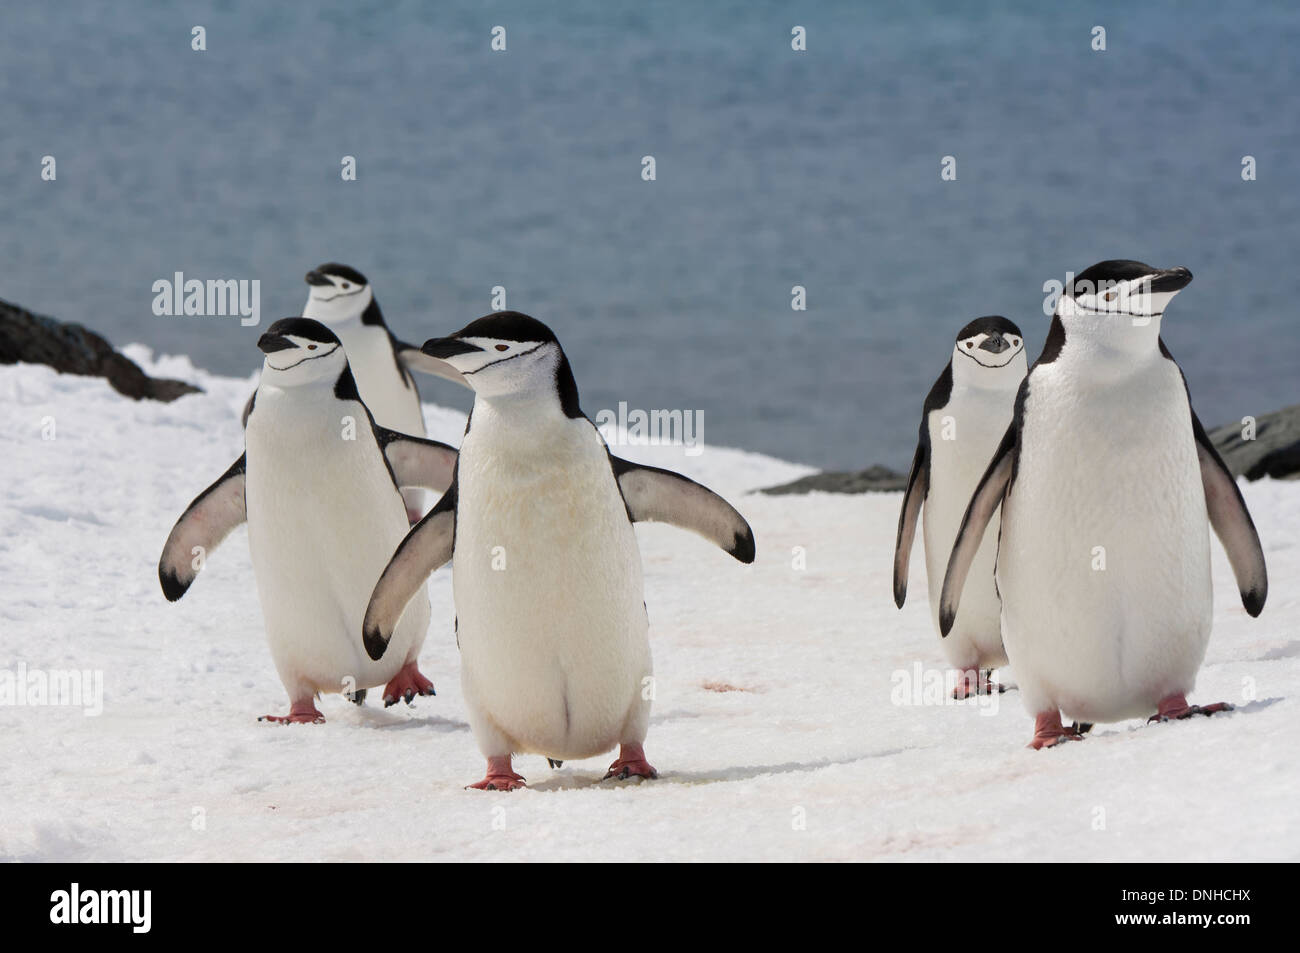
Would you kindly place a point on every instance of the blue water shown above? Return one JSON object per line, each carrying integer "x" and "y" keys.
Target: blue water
{"x": 774, "y": 168}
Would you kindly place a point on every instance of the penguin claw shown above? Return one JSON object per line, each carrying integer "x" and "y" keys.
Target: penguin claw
{"x": 406, "y": 685}
{"x": 301, "y": 713}
{"x": 1176, "y": 709}
{"x": 631, "y": 763}
{"x": 500, "y": 777}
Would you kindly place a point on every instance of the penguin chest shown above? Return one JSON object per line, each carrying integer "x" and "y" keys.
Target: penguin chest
{"x": 1104, "y": 561}
{"x": 963, "y": 436}
{"x": 323, "y": 520}
{"x": 547, "y": 578}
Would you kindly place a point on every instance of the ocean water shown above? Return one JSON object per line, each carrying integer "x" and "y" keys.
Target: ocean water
{"x": 774, "y": 168}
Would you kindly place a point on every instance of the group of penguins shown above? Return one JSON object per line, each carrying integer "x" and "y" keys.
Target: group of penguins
{"x": 1096, "y": 587}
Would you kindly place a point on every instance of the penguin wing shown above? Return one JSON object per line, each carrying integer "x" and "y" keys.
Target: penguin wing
{"x": 1232, "y": 523}
{"x": 918, "y": 484}
{"x": 416, "y": 461}
{"x": 200, "y": 530}
{"x": 654, "y": 495}
{"x": 426, "y": 547}
{"x": 415, "y": 359}
{"x": 918, "y": 481}
{"x": 983, "y": 504}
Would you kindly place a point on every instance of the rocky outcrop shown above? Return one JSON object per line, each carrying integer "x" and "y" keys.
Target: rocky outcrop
{"x": 72, "y": 349}
{"x": 871, "y": 480}
{"x": 1274, "y": 452}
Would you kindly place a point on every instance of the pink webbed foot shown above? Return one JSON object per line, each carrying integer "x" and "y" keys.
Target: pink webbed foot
{"x": 301, "y": 712}
{"x": 972, "y": 682}
{"x": 631, "y": 763}
{"x": 1049, "y": 732}
{"x": 1175, "y": 707}
{"x": 405, "y": 685}
{"x": 500, "y": 777}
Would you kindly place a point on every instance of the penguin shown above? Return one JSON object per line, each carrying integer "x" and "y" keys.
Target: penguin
{"x": 1108, "y": 486}
{"x": 964, "y": 417}
{"x": 341, "y": 298}
{"x": 551, "y": 620}
{"x": 318, "y": 484}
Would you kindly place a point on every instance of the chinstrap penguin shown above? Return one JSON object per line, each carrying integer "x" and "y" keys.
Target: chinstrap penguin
{"x": 550, "y": 613}
{"x": 963, "y": 419}
{"x": 1108, "y": 486}
{"x": 318, "y": 484}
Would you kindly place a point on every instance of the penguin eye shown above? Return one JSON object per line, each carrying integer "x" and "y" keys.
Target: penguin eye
{"x": 345, "y": 286}
{"x": 969, "y": 345}
{"x": 311, "y": 347}
{"x": 1015, "y": 342}
{"x": 1111, "y": 295}
{"x": 503, "y": 347}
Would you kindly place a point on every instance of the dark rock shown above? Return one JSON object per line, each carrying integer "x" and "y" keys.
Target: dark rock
{"x": 72, "y": 349}
{"x": 871, "y": 480}
{"x": 1274, "y": 452}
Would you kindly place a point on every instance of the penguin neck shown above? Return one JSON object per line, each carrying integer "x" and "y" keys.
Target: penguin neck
{"x": 969, "y": 374}
{"x": 1108, "y": 351}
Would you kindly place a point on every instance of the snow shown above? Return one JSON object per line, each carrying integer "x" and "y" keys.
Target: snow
{"x": 775, "y": 727}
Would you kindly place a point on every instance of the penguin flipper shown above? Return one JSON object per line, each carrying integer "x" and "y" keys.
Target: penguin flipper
{"x": 426, "y": 547}
{"x": 918, "y": 481}
{"x": 1232, "y": 523}
{"x": 417, "y": 461}
{"x": 415, "y": 359}
{"x": 204, "y": 524}
{"x": 654, "y": 495}
{"x": 983, "y": 504}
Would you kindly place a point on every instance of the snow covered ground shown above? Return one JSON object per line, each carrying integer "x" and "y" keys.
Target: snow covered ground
{"x": 776, "y": 728}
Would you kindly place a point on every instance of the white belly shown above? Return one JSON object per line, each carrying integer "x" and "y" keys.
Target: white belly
{"x": 1109, "y": 473}
{"x": 323, "y": 521}
{"x": 980, "y": 419}
{"x": 547, "y": 578}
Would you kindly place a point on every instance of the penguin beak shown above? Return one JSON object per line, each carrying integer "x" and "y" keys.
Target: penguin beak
{"x": 995, "y": 343}
{"x": 269, "y": 343}
{"x": 448, "y": 347}
{"x": 316, "y": 278}
{"x": 1168, "y": 282}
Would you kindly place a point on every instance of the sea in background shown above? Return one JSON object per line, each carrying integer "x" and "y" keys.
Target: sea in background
{"x": 774, "y": 168}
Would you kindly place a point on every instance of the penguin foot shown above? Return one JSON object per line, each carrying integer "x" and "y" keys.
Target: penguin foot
{"x": 300, "y": 713}
{"x": 1049, "y": 732}
{"x": 972, "y": 682}
{"x": 1175, "y": 707}
{"x": 631, "y": 763}
{"x": 405, "y": 685}
{"x": 500, "y": 777}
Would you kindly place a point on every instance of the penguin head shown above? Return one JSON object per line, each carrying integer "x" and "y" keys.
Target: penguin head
{"x": 300, "y": 351}
{"x": 337, "y": 293}
{"x": 989, "y": 344}
{"x": 507, "y": 354}
{"x": 1120, "y": 300}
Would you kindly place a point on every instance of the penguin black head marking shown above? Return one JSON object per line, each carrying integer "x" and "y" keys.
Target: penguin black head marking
{"x": 1122, "y": 288}
{"x": 300, "y": 350}
{"x": 508, "y": 354}
{"x": 991, "y": 341}
{"x": 339, "y": 293}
